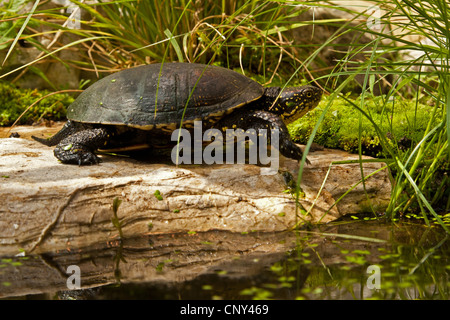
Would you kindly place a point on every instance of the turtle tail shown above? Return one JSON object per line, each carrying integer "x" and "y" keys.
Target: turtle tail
{"x": 68, "y": 129}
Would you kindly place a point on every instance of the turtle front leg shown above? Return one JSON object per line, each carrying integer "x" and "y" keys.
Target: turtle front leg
{"x": 79, "y": 147}
{"x": 260, "y": 119}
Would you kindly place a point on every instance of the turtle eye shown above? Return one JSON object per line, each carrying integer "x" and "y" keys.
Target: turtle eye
{"x": 308, "y": 94}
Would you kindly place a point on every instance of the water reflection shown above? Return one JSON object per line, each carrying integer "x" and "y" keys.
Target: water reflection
{"x": 324, "y": 262}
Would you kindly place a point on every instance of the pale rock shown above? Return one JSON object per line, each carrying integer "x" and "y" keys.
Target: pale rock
{"x": 46, "y": 205}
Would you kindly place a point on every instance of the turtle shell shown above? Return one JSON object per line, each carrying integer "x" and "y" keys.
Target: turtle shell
{"x": 158, "y": 95}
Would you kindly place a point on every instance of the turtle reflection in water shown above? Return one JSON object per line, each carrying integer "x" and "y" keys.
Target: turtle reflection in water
{"x": 145, "y": 104}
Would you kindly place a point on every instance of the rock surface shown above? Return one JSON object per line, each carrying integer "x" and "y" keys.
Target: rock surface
{"x": 49, "y": 206}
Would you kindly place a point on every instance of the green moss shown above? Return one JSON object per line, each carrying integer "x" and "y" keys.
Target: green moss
{"x": 14, "y": 101}
{"x": 402, "y": 122}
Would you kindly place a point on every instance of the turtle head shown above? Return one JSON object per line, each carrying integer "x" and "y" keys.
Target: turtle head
{"x": 294, "y": 102}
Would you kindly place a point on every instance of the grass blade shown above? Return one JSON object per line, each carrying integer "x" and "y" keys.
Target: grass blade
{"x": 174, "y": 44}
{"x": 24, "y": 25}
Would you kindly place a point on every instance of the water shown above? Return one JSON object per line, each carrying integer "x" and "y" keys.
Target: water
{"x": 332, "y": 261}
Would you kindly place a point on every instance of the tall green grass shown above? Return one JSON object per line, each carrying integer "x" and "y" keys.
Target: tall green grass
{"x": 420, "y": 175}
{"x": 244, "y": 34}
{"x": 256, "y": 38}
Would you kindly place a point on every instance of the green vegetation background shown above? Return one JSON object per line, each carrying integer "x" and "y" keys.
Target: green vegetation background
{"x": 339, "y": 128}
{"x": 14, "y": 102}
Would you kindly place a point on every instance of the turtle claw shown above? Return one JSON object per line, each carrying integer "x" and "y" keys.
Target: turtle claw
{"x": 76, "y": 154}
{"x": 87, "y": 158}
{"x": 291, "y": 150}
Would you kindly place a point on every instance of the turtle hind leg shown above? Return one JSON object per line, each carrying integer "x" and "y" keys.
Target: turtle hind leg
{"x": 79, "y": 148}
{"x": 68, "y": 129}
